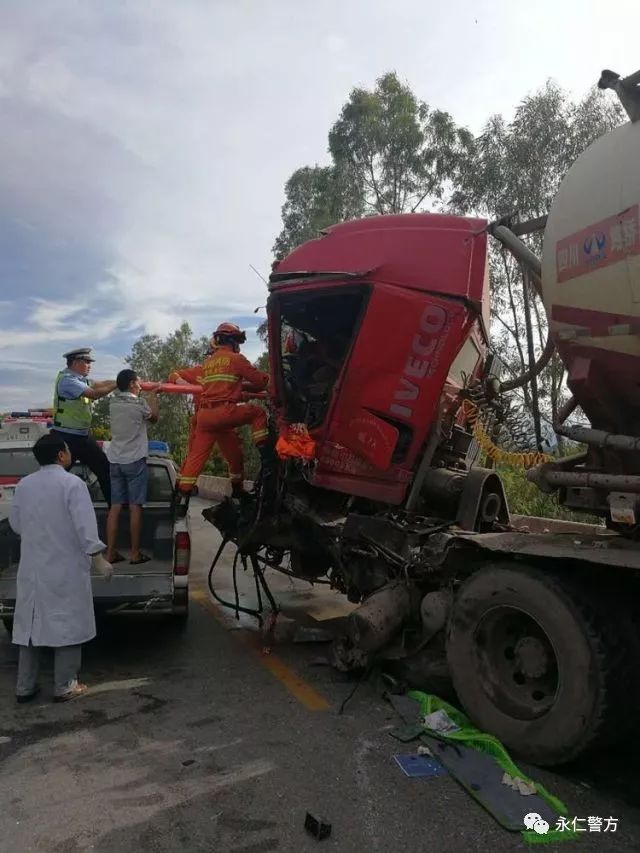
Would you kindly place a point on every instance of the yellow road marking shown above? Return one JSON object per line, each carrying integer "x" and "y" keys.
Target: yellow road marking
{"x": 298, "y": 687}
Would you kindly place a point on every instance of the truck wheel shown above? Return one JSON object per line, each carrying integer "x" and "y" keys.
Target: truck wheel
{"x": 539, "y": 663}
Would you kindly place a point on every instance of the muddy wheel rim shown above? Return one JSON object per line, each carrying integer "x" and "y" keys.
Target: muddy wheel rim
{"x": 517, "y": 663}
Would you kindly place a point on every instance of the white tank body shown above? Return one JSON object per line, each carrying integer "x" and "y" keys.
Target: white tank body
{"x": 591, "y": 255}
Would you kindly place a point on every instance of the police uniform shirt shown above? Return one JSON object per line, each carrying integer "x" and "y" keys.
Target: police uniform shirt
{"x": 70, "y": 387}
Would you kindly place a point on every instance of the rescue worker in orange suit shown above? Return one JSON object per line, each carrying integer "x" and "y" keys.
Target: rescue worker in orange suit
{"x": 191, "y": 376}
{"x": 224, "y": 376}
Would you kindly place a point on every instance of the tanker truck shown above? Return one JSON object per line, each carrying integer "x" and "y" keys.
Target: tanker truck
{"x": 381, "y": 363}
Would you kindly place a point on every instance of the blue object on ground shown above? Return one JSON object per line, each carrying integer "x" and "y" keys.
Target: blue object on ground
{"x": 420, "y": 766}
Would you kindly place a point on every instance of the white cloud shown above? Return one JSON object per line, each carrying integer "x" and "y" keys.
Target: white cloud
{"x": 335, "y": 43}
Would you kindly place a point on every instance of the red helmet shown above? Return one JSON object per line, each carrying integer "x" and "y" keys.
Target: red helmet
{"x": 231, "y": 332}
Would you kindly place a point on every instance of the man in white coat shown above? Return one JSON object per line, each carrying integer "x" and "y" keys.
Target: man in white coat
{"x": 54, "y": 517}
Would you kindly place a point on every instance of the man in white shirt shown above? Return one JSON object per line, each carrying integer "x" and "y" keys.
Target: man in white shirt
{"x": 127, "y": 455}
{"x": 54, "y": 517}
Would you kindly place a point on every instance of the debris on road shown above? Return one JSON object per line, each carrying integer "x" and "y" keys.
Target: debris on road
{"x": 481, "y": 776}
{"x": 441, "y": 722}
{"x": 407, "y": 733}
{"x": 519, "y": 785}
{"x": 479, "y": 763}
{"x": 419, "y": 766}
{"x": 406, "y": 707}
{"x": 318, "y": 827}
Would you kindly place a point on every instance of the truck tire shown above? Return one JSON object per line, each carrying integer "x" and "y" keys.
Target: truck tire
{"x": 544, "y": 664}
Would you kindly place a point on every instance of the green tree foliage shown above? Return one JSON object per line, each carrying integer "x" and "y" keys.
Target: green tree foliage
{"x": 100, "y": 424}
{"x": 395, "y": 151}
{"x": 518, "y": 165}
{"x": 315, "y": 197}
{"x": 390, "y": 153}
{"x": 516, "y": 168}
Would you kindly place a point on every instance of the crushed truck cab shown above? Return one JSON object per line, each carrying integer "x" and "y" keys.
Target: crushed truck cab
{"x": 391, "y": 317}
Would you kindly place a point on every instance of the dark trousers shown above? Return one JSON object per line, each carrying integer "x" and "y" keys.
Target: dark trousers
{"x": 85, "y": 449}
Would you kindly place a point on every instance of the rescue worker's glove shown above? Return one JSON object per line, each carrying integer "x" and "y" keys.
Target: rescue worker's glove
{"x": 101, "y": 565}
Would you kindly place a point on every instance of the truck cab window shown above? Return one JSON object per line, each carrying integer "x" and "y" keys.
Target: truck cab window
{"x": 316, "y": 333}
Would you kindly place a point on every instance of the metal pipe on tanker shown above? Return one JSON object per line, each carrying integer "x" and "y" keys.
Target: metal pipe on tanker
{"x": 566, "y": 409}
{"x": 615, "y": 482}
{"x": 520, "y": 251}
{"x": 539, "y": 366}
{"x": 601, "y": 438}
{"x": 532, "y": 263}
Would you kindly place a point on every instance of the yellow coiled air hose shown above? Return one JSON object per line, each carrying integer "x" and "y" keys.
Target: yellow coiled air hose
{"x": 491, "y": 450}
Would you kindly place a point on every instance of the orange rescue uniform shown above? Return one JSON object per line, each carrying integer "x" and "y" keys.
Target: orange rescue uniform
{"x": 224, "y": 376}
{"x": 192, "y": 376}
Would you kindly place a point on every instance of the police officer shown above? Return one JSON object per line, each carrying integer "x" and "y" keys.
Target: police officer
{"x": 72, "y": 400}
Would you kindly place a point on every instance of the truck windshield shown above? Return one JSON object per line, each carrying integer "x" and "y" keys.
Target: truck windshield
{"x": 316, "y": 331}
{"x": 17, "y": 463}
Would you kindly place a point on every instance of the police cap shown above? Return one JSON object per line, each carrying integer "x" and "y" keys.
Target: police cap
{"x": 81, "y": 352}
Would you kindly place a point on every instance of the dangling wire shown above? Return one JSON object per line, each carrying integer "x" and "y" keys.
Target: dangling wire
{"x": 498, "y": 454}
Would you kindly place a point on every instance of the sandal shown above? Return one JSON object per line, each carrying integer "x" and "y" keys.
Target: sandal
{"x": 143, "y": 559}
{"x": 117, "y": 559}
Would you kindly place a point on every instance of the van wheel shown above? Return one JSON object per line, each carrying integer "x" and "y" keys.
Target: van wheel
{"x": 543, "y": 663}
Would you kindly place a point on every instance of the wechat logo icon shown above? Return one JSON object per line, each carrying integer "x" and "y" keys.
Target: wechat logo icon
{"x": 535, "y": 822}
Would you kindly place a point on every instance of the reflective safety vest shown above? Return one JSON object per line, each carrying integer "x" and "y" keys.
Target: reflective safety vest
{"x": 70, "y": 414}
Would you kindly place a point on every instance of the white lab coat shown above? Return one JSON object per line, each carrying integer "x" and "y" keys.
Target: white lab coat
{"x": 53, "y": 514}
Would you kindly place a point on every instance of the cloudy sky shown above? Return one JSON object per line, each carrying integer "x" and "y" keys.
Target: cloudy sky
{"x": 144, "y": 144}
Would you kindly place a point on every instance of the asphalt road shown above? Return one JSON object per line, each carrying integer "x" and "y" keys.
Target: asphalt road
{"x": 198, "y": 741}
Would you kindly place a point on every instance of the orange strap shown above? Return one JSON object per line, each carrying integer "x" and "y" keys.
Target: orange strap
{"x": 296, "y": 443}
